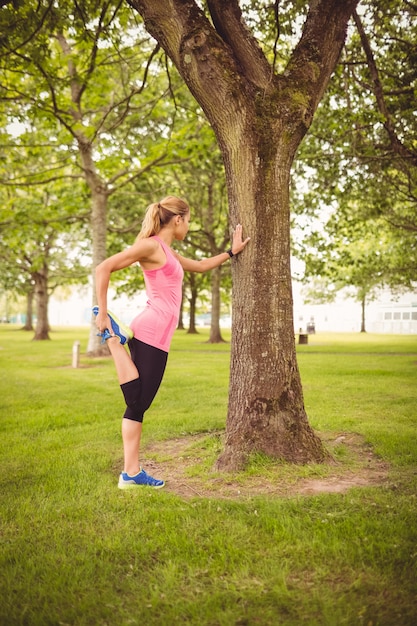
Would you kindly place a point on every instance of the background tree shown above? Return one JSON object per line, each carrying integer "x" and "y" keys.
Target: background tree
{"x": 355, "y": 255}
{"x": 82, "y": 68}
{"x": 199, "y": 177}
{"x": 359, "y": 158}
{"x": 389, "y": 72}
{"x": 42, "y": 217}
{"x": 203, "y": 180}
{"x": 39, "y": 247}
{"x": 260, "y": 110}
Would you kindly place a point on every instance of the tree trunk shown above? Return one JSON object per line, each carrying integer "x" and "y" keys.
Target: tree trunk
{"x": 99, "y": 195}
{"x": 259, "y": 118}
{"x": 41, "y": 299}
{"x": 363, "y": 316}
{"x": 29, "y": 311}
{"x": 266, "y": 407}
{"x": 180, "y": 325}
{"x": 98, "y": 234}
{"x": 215, "y": 333}
{"x": 192, "y": 330}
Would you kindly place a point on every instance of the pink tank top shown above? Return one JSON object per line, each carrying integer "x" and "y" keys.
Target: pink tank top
{"x": 157, "y": 323}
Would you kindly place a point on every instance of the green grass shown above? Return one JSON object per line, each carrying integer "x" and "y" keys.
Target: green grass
{"x": 77, "y": 551}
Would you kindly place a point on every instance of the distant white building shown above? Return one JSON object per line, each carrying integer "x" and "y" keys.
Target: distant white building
{"x": 387, "y": 314}
{"x": 397, "y": 318}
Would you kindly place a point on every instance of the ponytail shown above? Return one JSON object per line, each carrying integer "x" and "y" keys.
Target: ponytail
{"x": 151, "y": 224}
{"x": 158, "y": 214}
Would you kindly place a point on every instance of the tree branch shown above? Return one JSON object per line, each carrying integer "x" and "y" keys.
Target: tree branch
{"x": 126, "y": 100}
{"x": 75, "y": 83}
{"x": 227, "y": 56}
{"x": 230, "y": 25}
{"x": 318, "y": 49}
{"x": 33, "y": 34}
{"x": 99, "y": 30}
{"x": 159, "y": 162}
{"x": 397, "y": 146}
{"x": 198, "y": 52}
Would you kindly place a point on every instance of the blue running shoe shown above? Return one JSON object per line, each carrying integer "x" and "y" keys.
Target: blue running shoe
{"x": 139, "y": 480}
{"x": 118, "y": 329}
{"x": 105, "y": 335}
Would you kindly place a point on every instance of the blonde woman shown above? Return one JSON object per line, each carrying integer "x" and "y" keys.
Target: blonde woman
{"x": 140, "y": 370}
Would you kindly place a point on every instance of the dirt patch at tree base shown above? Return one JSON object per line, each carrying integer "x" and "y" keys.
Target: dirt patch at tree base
{"x": 186, "y": 465}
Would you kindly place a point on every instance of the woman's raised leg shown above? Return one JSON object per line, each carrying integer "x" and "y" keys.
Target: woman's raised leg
{"x": 125, "y": 368}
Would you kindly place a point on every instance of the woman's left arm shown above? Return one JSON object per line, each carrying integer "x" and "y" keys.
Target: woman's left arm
{"x": 238, "y": 244}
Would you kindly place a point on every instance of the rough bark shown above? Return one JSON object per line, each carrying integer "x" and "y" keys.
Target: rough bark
{"x": 259, "y": 119}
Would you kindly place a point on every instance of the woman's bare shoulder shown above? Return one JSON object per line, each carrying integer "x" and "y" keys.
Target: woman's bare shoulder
{"x": 148, "y": 252}
{"x": 145, "y": 247}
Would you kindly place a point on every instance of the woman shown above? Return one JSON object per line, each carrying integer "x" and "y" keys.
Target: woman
{"x": 149, "y": 336}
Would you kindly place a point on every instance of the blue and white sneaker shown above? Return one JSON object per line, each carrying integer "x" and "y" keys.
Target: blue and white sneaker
{"x": 106, "y": 334}
{"x": 118, "y": 329}
{"x": 139, "y": 480}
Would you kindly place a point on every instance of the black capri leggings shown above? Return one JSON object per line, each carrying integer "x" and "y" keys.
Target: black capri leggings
{"x": 139, "y": 393}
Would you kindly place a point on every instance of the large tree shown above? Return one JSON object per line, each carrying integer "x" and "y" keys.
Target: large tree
{"x": 260, "y": 111}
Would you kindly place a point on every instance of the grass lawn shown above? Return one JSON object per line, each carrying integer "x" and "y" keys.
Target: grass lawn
{"x": 77, "y": 551}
